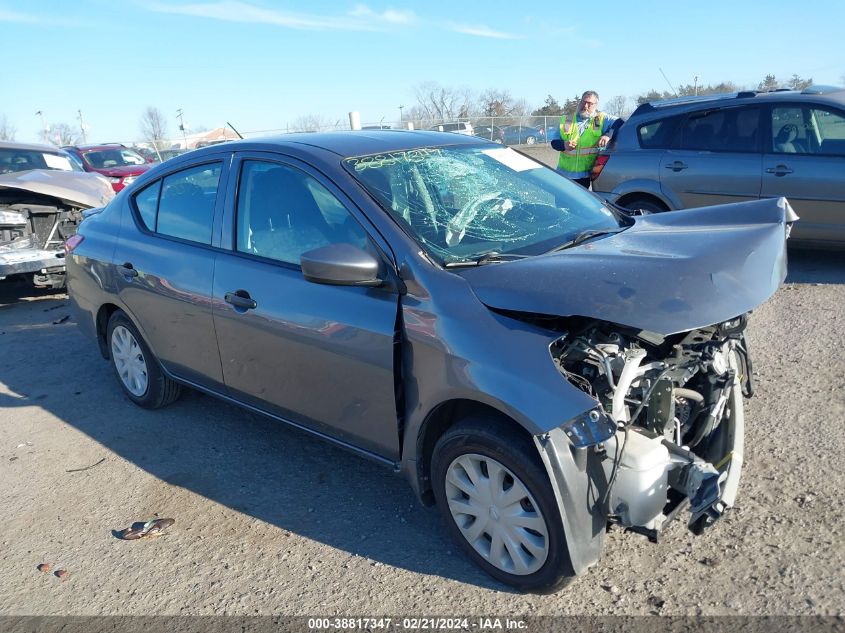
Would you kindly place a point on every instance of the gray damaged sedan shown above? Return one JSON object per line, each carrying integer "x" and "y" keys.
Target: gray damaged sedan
{"x": 535, "y": 362}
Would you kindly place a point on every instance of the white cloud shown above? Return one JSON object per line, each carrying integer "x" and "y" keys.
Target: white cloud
{"x": 391, "y": 16}
{"x": 14, "y": 16}
{"x": 234, "y": 11}
{"x": 481, "y": 30}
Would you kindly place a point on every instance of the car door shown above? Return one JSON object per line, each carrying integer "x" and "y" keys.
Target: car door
{"x": 317, "y": 355}
{"x": 715, "y": 158}
{"x": 805, "y": 162}
{"x": 165, "y": 263}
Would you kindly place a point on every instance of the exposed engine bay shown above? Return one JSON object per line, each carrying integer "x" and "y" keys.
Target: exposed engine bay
{"x": 31, "y": 236}
{"x": 676, "y": 402}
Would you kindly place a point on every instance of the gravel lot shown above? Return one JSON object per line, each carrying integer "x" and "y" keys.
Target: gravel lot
{"x": 271, "y": 521}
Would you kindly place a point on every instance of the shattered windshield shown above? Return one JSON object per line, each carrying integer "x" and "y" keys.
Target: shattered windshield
{"x": 464, "y": 204}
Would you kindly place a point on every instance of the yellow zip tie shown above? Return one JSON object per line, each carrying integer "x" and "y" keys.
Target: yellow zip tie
{"x": 724, "y": 461}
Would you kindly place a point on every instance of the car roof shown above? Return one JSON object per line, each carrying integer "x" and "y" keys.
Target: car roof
{"x": 86, "y": 148}
{"x": 811, "y": 93}
{"x": 36, "y": 147}
{"x": 351, "y": 142}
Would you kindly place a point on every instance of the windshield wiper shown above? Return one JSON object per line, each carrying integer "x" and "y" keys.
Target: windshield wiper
{"x": 488, "y": 258}
{"x": 583, "y": 236}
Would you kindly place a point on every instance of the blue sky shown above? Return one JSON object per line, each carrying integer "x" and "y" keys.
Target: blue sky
{"x": 262, "y": 64}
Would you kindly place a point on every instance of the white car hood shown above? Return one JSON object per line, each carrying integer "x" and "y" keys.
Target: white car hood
{"x": 80, "y": 189}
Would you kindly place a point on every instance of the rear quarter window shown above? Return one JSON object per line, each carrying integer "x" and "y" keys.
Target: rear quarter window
{"x": 657, "y": 134}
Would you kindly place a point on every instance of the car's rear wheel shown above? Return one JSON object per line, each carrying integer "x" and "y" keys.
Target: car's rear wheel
{"x": 646, "y": 204}
{"x": 135, "y": 367}
{"x": 530, "y": 140}
{"x": 499, "y": 505}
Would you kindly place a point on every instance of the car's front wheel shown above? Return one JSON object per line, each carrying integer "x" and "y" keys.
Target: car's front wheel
{"x": 499, "y": 505}
{"x": 530, "y": 140}
{"x": 137, "y": 370}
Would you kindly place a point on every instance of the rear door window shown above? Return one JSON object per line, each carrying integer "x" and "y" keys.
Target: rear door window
{"x": 181, "y": 205}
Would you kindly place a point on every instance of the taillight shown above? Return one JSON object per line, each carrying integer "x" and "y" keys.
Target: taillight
{"x": 72, "y": 242}
{"x": 601, "y": 161}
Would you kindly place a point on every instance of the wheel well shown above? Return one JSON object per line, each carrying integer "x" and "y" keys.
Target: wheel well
{"x": 440, "y": 420}
{"x": 103, "y": 316}
{"x": 625, "y": 200}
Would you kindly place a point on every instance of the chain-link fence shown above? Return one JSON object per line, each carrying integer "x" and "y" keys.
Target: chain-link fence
{"x": 509, "y": 130}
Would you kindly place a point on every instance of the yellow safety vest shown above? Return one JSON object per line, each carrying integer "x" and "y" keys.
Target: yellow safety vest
{"x": 581, "y": 158}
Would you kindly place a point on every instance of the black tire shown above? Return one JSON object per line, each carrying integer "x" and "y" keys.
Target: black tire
{"x": 646, "y": 204}
{"x": 497, "y": 440}
{"x": 530, "y": 140}
{"x": 154, "y": 389}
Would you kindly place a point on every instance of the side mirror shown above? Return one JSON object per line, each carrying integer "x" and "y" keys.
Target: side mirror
{"x": 341, "y": 265}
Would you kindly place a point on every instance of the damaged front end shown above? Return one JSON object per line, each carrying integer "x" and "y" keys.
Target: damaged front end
{"x": 668, "y": 427}
{"x": 39, "y": 210}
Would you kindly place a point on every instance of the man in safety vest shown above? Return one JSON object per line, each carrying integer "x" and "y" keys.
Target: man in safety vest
{"x": 580, "y": 136}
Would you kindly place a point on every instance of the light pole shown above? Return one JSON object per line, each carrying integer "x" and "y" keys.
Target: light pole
{"x": 182, "y": 127}
{"x": 82, "y": 128}
{"x": 401, "y": 121}
{"x": 45, "y": 129}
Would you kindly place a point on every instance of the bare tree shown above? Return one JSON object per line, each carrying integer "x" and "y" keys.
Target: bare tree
{"x": 439, "y": 103}
{"x": 495, "y": 103}
{"x": 63, "y": 134}
{"x": 7, "y": 130}
{"x": 617, "y": 106}
{"x": 154, "y": 127}
{"x": 311, "y": 123}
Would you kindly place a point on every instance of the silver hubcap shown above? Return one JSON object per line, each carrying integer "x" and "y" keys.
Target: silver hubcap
{"x": 129, "y": 361}
{"x": 497, "y": 514}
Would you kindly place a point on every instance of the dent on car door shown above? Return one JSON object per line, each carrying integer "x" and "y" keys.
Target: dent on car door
{"x": 315, "y": 354}
{"x": 165, "y": 264}
{"x": 715, "y": 159}
{"x": 804, "y": 161}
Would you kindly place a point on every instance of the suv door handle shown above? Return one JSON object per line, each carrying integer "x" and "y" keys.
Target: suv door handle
{"x": 780, "y": 170}
{"x": 240, "y": 299}
{"x": 128, "y": 270}
{"x": 677, "y": 166}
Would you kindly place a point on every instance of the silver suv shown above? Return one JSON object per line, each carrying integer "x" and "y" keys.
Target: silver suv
{"x": 700, "y": 151}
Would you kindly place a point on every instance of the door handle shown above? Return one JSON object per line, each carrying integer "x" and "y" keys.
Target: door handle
{"x": 128, "y": 270}
{"x": 780, "y": 170}
{"x": 677, "y": 166}
{"x": 240, "y": 299}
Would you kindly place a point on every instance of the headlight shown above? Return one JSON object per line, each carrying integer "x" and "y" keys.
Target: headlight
{"x": 112, "y": 179}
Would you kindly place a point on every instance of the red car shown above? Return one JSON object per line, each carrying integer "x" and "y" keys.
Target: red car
{"x": 119, "y": 164}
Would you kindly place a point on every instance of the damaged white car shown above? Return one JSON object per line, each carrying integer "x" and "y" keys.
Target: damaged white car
{"x": 42, "y": 195}
{"x": 537, "y": 363}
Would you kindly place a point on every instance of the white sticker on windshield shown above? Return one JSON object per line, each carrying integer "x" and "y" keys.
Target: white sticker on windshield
{"x": 512, "y": 159}
{"x": 57, "y": 162}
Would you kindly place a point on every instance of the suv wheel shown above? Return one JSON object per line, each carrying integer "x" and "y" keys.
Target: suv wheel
{"x": 646, "y": 204}
{"x": 498, "y": 503}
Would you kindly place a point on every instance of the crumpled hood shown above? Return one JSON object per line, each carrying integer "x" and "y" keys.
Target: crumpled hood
{"x": 71, "y": 187}
{"x": 669, "y": 273}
